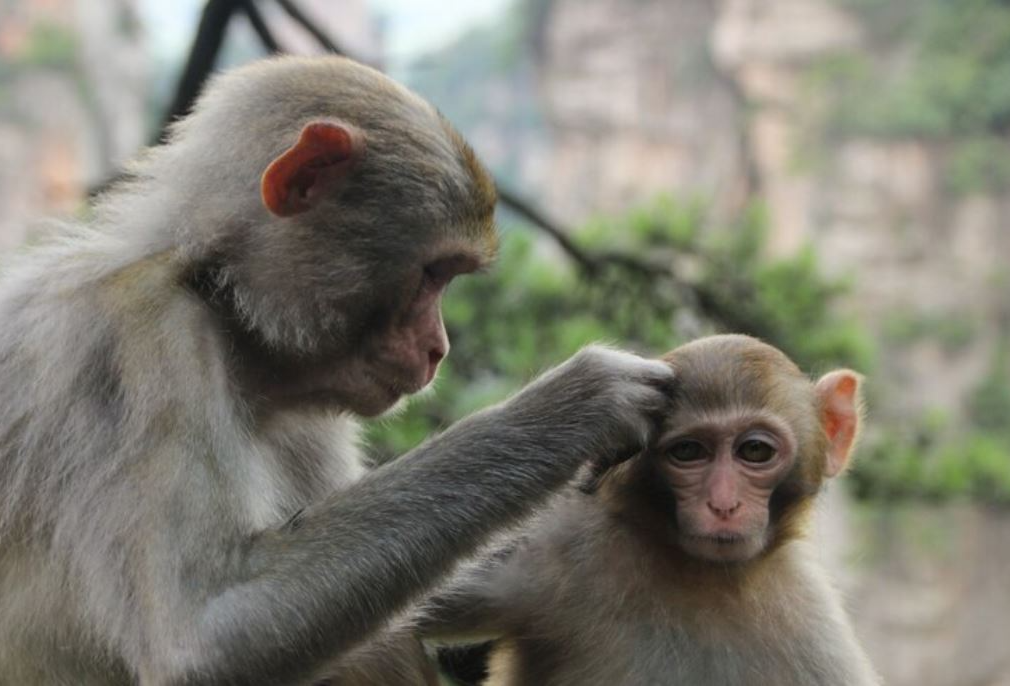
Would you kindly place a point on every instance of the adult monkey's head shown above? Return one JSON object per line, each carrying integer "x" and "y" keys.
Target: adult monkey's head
{"x": 749, "y": 443}
{"x": 343, "y": 205}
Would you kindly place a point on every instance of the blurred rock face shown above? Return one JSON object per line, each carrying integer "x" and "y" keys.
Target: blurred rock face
{"x": 636, "y": 106}
{"x": 698, "y": 97}
{"x": 72, "y": 104}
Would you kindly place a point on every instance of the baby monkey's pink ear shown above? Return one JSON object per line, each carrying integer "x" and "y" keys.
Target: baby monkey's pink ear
{"x": 838, "y": 393}
{"x": 323, "y": 156}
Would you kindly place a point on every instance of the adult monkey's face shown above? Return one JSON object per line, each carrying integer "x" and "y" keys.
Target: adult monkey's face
{"x": 375, "y": 258}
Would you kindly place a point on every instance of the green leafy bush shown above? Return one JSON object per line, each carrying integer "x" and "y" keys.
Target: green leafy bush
{"x": 912, "y": 465}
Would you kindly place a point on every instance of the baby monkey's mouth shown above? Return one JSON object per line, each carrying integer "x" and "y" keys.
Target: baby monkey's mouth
{"x": 723, "y": 546}
{"x": 722, "y": 538}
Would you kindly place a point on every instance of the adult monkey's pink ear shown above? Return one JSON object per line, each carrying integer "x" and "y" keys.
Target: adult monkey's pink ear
{"x": 323, "y": 156}
{"x": 840, "y": 403}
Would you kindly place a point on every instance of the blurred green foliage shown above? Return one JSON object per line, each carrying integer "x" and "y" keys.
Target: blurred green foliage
{"x": 786, "y": 302}
{"x": 921, "y": 462}
{"x": 937, "y": 70}
{"x": 935, "y": 457}
{"x": 989, "y": 404}
{"x": 979, "y": 163}
{"x": 50, "y": 45}
{"x": 536, "y": 307}
{"x": 954, "y": 331}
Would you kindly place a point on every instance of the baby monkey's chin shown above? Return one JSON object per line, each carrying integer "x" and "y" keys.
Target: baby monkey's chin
{"x": 723, "y": 546}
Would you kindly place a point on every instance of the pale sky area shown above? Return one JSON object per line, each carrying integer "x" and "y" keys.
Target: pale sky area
{"x": 412, "y": 26}
{"x": 415, "y": 27}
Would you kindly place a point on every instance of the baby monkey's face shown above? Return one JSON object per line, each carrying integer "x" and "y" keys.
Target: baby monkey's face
{"x": 722, "y": 468}
{"x": 749, "y": 438}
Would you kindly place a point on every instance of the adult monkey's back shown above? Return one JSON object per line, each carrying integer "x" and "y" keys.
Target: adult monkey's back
{"x": 181, "y": 499}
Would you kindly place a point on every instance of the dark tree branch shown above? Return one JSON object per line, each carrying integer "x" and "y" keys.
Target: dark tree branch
{"x": 270, "y": 43}
{"x": 202, "y": 56}
{"x": 325, "y": 41}
{"x": 560, "y": 236}
{"x": 589, "y": 262}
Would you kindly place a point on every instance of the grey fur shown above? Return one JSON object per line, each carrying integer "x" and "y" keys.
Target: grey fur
{"x": 164, "y": 518}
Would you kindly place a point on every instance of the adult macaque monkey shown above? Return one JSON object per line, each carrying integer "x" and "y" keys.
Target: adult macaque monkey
{"x": 688, "y": 567}
{"x": 181, "y": 498}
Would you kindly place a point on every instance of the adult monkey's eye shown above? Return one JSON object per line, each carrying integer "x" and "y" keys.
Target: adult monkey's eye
{"x": 433, "y": 275}
{"x": 687, "y": 451}
{"x": 755, "y": 451}
{"x": 442, "y": 271}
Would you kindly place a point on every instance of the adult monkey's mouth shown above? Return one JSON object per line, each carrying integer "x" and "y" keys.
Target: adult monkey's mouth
{"x": 395, "y": 383}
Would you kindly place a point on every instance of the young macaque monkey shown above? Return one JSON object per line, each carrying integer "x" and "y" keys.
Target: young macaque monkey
{"x": 689, "y": 565}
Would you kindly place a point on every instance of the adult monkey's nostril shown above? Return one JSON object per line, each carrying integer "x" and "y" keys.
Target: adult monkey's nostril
{"x": 723, "y": 512}
{"x": 435, "y": 355}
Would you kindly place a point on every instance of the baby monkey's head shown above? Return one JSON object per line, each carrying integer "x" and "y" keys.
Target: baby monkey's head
{"x": 747, "y": 445}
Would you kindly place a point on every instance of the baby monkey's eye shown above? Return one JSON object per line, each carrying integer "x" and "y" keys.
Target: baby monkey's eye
{"x": 687, "y": 451}
{"x": 755, "y": 451}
